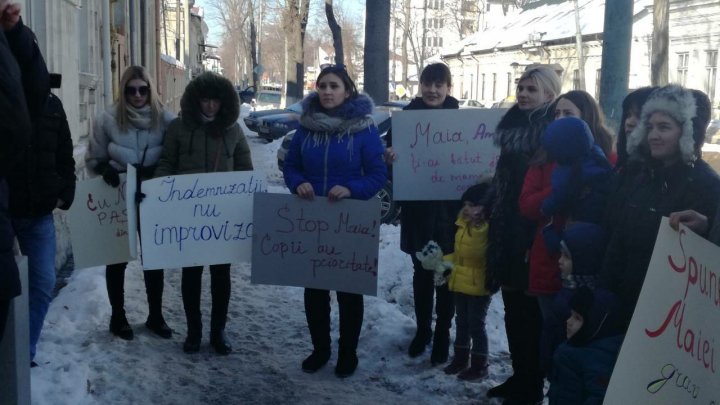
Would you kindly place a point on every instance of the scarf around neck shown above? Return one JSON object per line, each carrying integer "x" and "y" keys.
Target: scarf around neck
{"x": 140, "y": 118}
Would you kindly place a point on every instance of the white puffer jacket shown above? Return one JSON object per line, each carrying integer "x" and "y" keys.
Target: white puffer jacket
{"x": 120, "y": 148}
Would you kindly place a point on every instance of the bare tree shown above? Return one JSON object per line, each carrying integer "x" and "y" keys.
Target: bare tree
{"x": 377, "y": 45}
{"x": 295, "y": 18}
{"x": 336, "y": 33}
{"x": 661, "y": 40}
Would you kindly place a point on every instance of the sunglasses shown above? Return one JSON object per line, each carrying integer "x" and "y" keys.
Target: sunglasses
{"x": 132, "y": 91}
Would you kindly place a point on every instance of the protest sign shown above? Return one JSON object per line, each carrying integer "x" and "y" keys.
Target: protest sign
{"x": 668, "y": 356}
{"x": 98, "y": 224}
{"x": 440, "y": 153}
{"x": 132, "y": 213}
{"x": 198, "y": 219}
{"x": 316, "y": 244}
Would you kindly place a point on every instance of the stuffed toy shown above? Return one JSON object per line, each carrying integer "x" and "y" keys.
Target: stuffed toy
{"x": 431, "y": 258}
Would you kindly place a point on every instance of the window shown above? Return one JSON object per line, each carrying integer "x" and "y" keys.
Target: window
{"x": 494, "y": 87}
{"x": 576, "y": 79}
{"x": 509, "y": 84}
{"x": 598, "y": 80}
{"x": 710, "y": 73}
{"x": 682, "y": 67}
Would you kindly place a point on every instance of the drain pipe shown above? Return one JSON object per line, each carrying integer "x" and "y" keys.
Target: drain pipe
{"x": 107, "y": 62}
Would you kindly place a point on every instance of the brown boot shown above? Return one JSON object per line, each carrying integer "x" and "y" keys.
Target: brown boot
{"x": 460, "y": 361}
{"x": 478, "y": 368}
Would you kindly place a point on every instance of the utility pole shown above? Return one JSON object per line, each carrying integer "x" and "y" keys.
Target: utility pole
{"x": 617, "y": 38}
{"x": 660, "y": 42}
{"x": 579, "y": 48}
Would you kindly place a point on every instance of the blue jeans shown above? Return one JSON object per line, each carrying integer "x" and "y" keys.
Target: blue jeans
{"x": 37, "y": 241}
{"x": 470, "y": 315}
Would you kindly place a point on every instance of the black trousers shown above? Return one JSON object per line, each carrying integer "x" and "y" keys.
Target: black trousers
{"x": 115, "y": 281}
{"x": 523, "y": 325}
{"x": 424, "y": 292}
{"x": 219, "y": 290}
{"x": 4, "y": 310}
{"x": 317, "y": 313}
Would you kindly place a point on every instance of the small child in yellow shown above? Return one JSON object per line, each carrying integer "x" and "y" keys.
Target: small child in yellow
{"x": 467, "y": 282}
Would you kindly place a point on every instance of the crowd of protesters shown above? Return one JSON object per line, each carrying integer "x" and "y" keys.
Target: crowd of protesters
{"x": 565, "y": 228}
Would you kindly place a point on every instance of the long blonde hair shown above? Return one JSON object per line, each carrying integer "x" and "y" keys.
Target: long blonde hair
{"x": 131, "y": 73}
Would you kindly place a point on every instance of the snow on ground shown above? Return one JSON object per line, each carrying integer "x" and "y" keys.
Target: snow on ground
{"x": 82, "y": 363}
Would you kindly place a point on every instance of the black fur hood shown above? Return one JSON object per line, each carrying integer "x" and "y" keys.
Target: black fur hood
{"x": 210, "y": 85}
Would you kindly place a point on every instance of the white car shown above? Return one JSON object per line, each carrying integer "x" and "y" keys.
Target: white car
{"x": 467, "y": 103}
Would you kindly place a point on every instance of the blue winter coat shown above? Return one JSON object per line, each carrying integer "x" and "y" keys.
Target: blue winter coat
{"x": 350, "y": 158}
{"x": 581, "y": 375}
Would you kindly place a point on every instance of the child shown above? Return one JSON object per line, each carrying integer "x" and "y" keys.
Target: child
{"x": 467, "y": 281}
{"x": 583, "y": 365}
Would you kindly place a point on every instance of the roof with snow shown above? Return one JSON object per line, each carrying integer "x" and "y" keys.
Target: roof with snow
{"x": 540, "y": 22}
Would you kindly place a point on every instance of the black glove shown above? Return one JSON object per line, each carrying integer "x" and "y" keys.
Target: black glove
{"x": 108, "y": 173}
{"x": 139, "y": 197}
{"x": 145, "y": 172}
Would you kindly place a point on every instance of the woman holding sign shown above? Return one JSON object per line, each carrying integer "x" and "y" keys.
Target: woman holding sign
{"x": 423, "y": 221}
{"x": 664, "y": 174}
{"x": 336, "y": 153}
{"x": 131, "y": 132}
{"x": 510, "y": 236}
{"x": 206, "y": 139}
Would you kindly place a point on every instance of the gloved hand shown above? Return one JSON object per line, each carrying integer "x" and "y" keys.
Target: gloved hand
{"x": 139, "y": 197}
{"x": 145, "y": 172}
{"x": 108, "y": 173}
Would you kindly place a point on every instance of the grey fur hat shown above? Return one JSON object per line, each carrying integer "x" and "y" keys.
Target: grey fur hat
{"x": 690, "y": 108}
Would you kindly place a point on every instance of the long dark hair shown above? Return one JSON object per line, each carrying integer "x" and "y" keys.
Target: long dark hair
{"x": 591, "y": 114}
{"x": 631, "y": 105}
{"x": 341, "y": 72}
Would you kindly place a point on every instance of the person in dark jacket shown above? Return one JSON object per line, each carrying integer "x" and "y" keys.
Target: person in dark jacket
{"x": 665, "y": 174}
{"x": 206, "y": 139}
{"x": 336, "y": 153}
{"x": 631, "y": 108}
{"x": 15, "y": 130}
{"x": 423, "y": 221}
{"x": 131, "y": 131}
{"x": 583, "y": 365}
{"x": 44, "y": 181}
{"x": 510, "y": 236}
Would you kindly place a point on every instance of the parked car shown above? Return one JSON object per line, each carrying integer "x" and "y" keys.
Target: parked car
{"x": 389, "y": 208}
{"x": 467, "y": 103}
{"x": 256, "y": 117}
{"x": 268, "y": 99}
{"x": 275, "y": 126}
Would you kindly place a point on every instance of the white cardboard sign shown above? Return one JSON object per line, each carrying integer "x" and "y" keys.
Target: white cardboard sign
{"x": 440, "y": 153}
{"x": 316, "y": 244}
{"x": 671, "y": 352}
{"x": 98, "y": 224}
{"x": 198, "y": 219}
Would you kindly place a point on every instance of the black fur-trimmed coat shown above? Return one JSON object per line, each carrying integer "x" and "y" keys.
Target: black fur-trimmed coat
{"x": 518, "y": 136}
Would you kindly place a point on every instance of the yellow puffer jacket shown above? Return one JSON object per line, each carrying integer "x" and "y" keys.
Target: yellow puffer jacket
{"x": 469, "y": 264}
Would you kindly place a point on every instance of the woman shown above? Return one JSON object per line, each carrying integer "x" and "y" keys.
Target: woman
{"x": 544, "y": 273}
{"x": 631, "y": 107}
{"x": 518, "y": 137}
{"x": 131, "y": 132}
{"x": 336, "y": 153}
{"x": 423, "y": 221}
{"x": 206, "y": 139}
{"x": 665, "y": 174}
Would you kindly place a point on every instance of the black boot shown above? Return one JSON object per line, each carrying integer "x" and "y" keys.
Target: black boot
{"x": 154, "y": 283}
{"x": 220, "y": 290}
{"x": 346, "y": 363}
{"x": 191, "y": 286}
{"x": 461, "y": 361}
{"x": 317, "y": 313}
{"x": 423, "y": 291}
{"x": 505, "y": 389}
{"x": 440, "y": 348}
{"x": 120, "y": 327}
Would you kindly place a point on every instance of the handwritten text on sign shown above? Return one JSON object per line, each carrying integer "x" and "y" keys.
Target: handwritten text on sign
{"x": 198, "y": 219}
{"x": 668, "y": 356}
{"x": 440, "y": 153}
{"x": 316, "y": 244}
{"x": 98, "y": 224}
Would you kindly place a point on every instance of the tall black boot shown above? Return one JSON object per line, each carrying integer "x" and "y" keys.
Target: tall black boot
{"x": 220, "y": 289}
{"x": 191, "y": 286}
{"x": 444, "y": 311}
{"x": 351, "y": 320}
{"x": 515, "y": 331}
{"x": 317, "y": 313}
{"x": 154, "y": 284}
{"x": 423, "y": 291}
{"x": 115, "y": 283}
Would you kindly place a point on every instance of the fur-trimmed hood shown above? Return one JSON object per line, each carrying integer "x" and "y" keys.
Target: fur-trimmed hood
{"x": 210, "y": 85}
{"x": 690, "y": 108}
